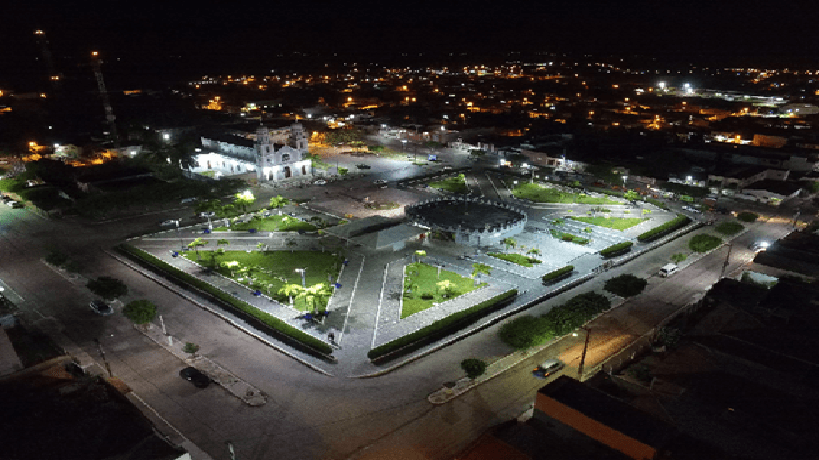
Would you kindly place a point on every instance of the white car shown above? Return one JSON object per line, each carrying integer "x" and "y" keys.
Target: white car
{"x": 380, "y": 182}
{"x": 168, "y": 223}
{"x": 320, "y": 182}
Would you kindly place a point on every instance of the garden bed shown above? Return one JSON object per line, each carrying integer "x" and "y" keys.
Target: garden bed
{"x": 439, "y": 329}
{"x": 541, "y": 194}
{"x": 422, "y": 283}
{"x": 617, "y": 223}
{"x": 255, "y": 317}
{"x": 519, "y": 259}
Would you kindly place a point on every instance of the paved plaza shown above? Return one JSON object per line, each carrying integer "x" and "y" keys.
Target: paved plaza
{"x": 365, "y": 311}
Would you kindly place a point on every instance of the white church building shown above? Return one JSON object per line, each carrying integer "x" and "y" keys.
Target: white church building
{"x": 274, "y": 154}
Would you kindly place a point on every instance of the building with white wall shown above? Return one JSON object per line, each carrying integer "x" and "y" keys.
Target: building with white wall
{"x": 274, "y": 154}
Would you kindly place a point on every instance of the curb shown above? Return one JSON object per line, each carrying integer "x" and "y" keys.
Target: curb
{"x": 217, "y": 313}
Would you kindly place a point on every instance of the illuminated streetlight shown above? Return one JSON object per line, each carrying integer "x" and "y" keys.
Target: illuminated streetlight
{"x": 303, "y": 282}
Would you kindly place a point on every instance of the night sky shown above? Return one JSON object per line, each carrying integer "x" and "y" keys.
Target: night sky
{"x": 219, "y": 36}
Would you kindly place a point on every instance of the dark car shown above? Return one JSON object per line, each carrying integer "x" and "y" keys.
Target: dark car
{"x": 101, "y": 308}
{"x": 363, "y": 166}
{"x": 195, "y": 376}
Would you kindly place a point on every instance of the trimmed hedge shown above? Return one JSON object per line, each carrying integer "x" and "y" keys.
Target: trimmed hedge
{"x": 438, "y": 329}
{"x": 616, "y": 248}
{"x": 662, "y": 230}
{"x": 558, "y": 274}
{"x": 239, "y": 306}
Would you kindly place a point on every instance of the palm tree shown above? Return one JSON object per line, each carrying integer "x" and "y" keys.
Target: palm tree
{"x": 278, "y": 201}
{"x": 446, "y": 287}
{"x": 477, "y": 269}
{"x": 195, "y": 246}
{"x": 315, "y": 294}
{"x": 509, "y": 242}
{"x": 232, "y": 266}
{"x": 290, "y": 290}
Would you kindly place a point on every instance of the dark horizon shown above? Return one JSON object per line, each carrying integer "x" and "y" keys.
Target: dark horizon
{"x": 172, "y": 42}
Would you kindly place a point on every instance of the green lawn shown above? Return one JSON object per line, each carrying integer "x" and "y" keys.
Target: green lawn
{"x": 617, "y": 223}
{"x": 273, "y": 269}
{"x": 422, "y": 280}
{"x": 453, "y": 184}
{"x": 270, "y": 224}
{"x": 519, "y": 259}
{"x": 542, "y": 194}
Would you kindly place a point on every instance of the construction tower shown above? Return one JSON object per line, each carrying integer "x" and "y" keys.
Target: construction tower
{"x": 109, "y": 112}
{"x": 42, "y": 42}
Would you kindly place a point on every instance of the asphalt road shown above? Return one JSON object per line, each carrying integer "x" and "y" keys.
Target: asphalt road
{"x": 309, "y": 415}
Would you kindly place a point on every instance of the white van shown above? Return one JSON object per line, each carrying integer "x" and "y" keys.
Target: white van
{"x": 668, "y": 270}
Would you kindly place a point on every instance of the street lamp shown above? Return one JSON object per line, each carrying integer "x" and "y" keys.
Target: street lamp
{"x": 303, "y": 282}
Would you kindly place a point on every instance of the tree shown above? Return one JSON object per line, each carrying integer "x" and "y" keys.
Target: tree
{"x": 190, "y": 347}
{"x": 747, "y": 216}
{"x": 525, "y": 332}
{"x": 222, "y": 241}
{"x": 344, "y": 136}
{"x": 244, "y": 199}
{"x": 231, "y": 265}
{"x": 291, "y": 290}
{"x": 509, "y": 242}
{"x": 315, "y": 295}
{"x": 446, "y": 287}
{"x": 195, "y": 246}
{"x": 278, "y": 201}
{"x": 704, "y": 242}
{"x": 473, "y": 367}
{"x": 478, "y": 268}
{"x": 106, "y": 287}
{"x": 625, "y": 285}
{"x": 140, "y": 311}
{"x": 631, "y": 196}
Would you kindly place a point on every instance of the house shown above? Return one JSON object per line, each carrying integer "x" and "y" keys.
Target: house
{"x": 772, "y": 191}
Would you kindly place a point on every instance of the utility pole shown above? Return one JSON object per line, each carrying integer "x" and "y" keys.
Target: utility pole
{"x": 583, "y": 355}
{"x": 727, "y": 258}
{"x": 109, "y": 112}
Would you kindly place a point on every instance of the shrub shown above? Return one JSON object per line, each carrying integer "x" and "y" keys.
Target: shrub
{"x": 747, "y": 216}
{"x": 668, "y": 227}
{"x": 625, "y": 285}
{"x": 439, "y": 329}
{"x": 677, "y": 258}
{"x": 729, "y": 228}
{"x": 704, "y": 242}
{"x": 558, "y": 274}
{"x": 56, "y": 258}
{"x": 262, "y": 318}
{"x": 615, "y": 249}
{"x": 427, "y": 297}
{"x": 190, "y": 347}
{"x": 473, "y": 367}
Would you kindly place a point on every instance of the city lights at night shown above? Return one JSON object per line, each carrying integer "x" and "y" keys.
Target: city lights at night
{"x": 365, "y": 231}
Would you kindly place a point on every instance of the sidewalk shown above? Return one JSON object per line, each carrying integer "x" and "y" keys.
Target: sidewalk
{"x": 249, "y": 394}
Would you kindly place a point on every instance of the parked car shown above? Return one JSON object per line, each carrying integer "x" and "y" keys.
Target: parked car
{"x": 168, "y": 223}
{"x": 547, "y": 368}
{"x": 380, "y": 182}
{"x": 668, "y": 270}
{"x": 363, "y": 166}
{"x": 320, "y": 182}
{"x": 101, "y": 308}
{"x": 195, "y": 376}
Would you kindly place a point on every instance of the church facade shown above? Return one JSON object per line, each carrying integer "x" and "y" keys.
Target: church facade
{"x": 274, "y": 154}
